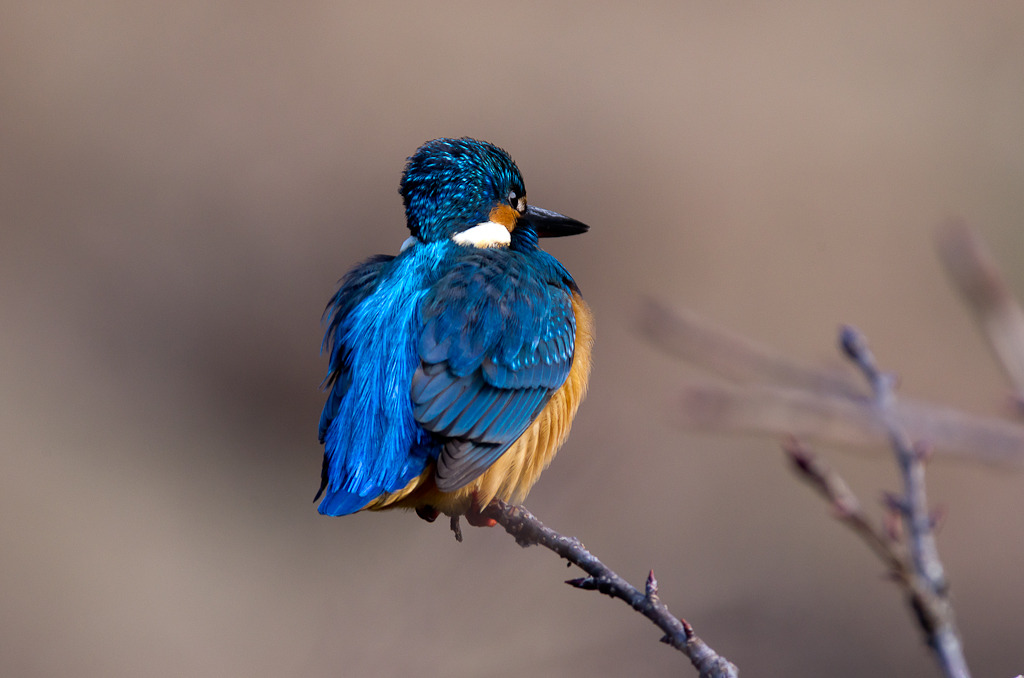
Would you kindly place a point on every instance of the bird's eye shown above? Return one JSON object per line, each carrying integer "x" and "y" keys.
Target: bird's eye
{"x": 517, "y": 201}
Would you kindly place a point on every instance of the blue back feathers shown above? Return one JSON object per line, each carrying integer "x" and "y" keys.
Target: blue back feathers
{"x": 497, "y": 341}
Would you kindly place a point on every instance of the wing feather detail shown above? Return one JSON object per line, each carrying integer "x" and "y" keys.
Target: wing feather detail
{"x": 497, "y": 342}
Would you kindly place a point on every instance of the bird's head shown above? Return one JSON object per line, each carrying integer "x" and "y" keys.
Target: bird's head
{"x": 472, "y": 192}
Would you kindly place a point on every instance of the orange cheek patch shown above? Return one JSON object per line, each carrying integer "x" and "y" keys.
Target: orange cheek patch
{"x": 504, "y": 215}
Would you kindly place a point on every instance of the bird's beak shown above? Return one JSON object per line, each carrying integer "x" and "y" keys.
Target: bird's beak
{"x": 550, "y": 224}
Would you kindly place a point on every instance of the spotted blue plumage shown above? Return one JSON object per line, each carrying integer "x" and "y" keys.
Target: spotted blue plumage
{"x": 442, "y": 356}
{"x": 452, "y": 184}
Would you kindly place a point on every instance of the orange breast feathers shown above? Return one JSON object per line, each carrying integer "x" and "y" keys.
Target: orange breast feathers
{"x": 512, "y": 475}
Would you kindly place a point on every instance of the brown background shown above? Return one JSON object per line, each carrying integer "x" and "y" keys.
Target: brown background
{"x": 182, "y": 183}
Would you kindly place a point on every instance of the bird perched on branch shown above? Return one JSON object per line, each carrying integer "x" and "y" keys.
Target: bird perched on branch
{"x": 456, "y": 367}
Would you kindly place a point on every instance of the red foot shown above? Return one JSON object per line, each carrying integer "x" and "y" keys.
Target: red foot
{"x": 477, "y": 520}
{"x": 475, "y": 515}
{"x": 428, "y": 513}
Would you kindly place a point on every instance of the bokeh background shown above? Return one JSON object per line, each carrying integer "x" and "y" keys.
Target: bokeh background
{"x": 182, "y": 184}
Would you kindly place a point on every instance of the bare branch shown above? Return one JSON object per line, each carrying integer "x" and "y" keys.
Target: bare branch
{"x": 772, "y": 394}
{"x": 733, "y": 357}
{"x": 915, "y": 503}
{"x": 929, "y": 607}
{"x": 976, "y": 275}
{"x": 929, "y": 588}
{"x": 528, "y": 530}
{"x": 822, "y": 417}
{"x": 848, "y": 509}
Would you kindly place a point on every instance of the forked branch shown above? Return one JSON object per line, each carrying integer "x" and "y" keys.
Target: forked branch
{"x": 915, "y": 565}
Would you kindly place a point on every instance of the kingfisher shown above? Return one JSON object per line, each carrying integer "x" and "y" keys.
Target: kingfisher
{"x": 457, "y": 366}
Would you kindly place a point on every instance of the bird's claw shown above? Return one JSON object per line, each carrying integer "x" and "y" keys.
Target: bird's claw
{"x": 475, "y": 515}
{"x": 428, "y": 513}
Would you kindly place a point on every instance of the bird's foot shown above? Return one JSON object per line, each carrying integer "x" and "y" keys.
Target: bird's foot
{"x": 475, "y": 515}
{"x": 428, "y": 513}
{"x": 457, "y": 529}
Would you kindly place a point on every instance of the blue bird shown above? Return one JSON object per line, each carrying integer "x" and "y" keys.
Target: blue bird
{"x": 456, "y": 367}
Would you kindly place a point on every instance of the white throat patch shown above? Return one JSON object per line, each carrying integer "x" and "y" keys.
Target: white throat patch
{"x": 487, "y": 234}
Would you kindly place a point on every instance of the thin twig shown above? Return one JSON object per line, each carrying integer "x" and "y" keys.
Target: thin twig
{"x": 885, "y": 541}
{"x": 974, "y": 271}
{"x": 930, "y": 590}
{"x": 528, "y": 530}
{"x": 848, "y": 508}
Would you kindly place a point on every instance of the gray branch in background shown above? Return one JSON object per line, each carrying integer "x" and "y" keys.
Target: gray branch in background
{"x": 928, "y": 586}
{"x": 761, "y": 391}
{"x": 801, "y": 399}
{"x": 977, "y": 277}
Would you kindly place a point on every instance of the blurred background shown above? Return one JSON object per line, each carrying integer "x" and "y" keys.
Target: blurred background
{"x": 182, "y": 185}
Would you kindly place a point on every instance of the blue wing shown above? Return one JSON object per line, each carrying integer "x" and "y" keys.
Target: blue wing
{"x": 498, "y": 340}
{"x": 372, "y": 444}
{"x": 356, "y": 286}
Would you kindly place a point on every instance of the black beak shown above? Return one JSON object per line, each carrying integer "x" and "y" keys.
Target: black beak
{"x": 550, "y": 224}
